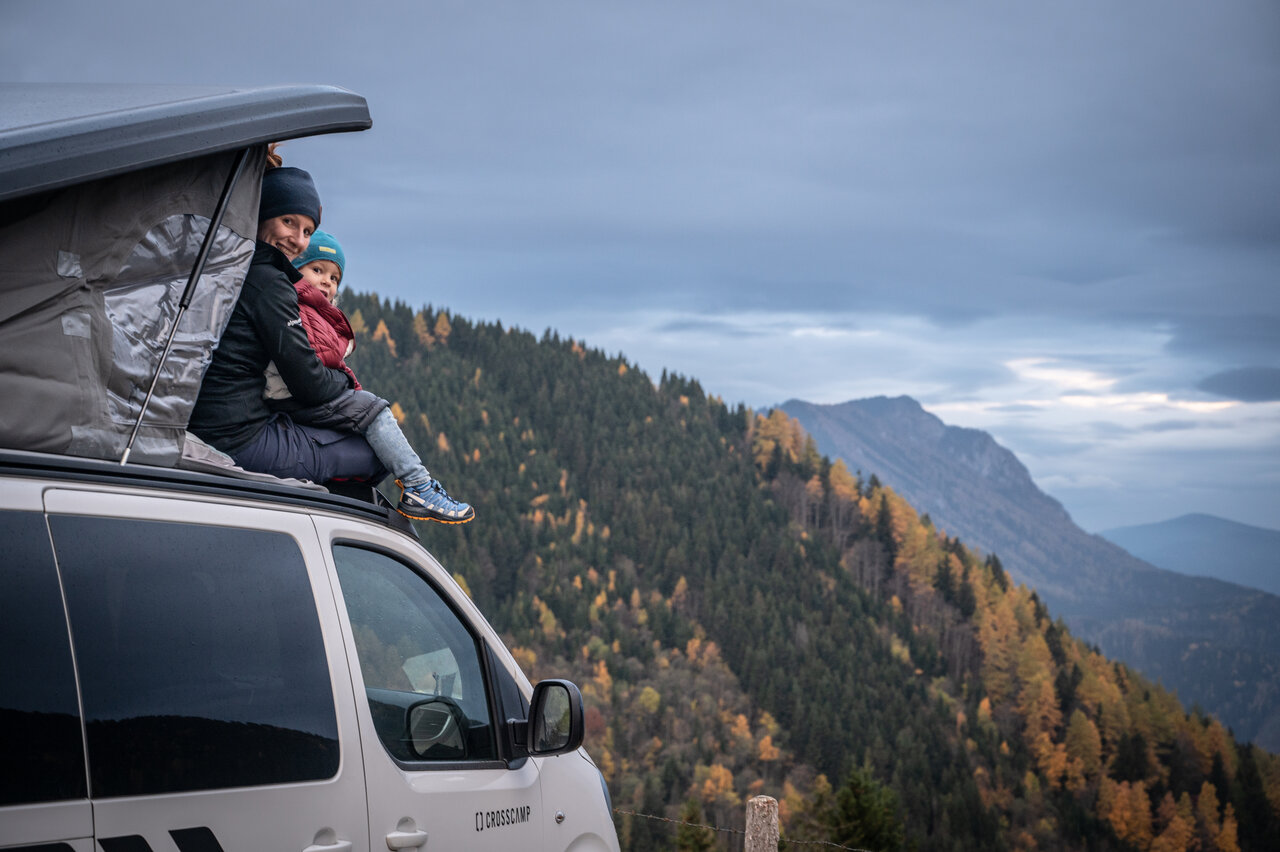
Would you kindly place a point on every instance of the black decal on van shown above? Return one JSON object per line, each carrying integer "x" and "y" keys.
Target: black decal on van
{"x": 44, "y": 847}
{"x": 127, "y": 843}
{"x": 195, "y": 840}
{"x": 501, "y": 818}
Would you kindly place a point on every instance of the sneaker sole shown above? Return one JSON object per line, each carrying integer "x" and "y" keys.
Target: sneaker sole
{"x": 437, "y": 520}
{"x": 433, "y": 518}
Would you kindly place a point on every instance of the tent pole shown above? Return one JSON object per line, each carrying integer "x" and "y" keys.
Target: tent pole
{"x": 189, "y": 292}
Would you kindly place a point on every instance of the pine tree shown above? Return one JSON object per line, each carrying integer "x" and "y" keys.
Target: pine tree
{"x": 865, "y": 815}
{"x": 693, "y": 835}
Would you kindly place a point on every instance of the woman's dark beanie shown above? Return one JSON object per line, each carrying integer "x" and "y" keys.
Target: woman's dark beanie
{"x": 288, "y": 190}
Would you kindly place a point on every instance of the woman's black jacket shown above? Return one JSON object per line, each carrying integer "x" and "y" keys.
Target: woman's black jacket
{"x": 264, "y": 327}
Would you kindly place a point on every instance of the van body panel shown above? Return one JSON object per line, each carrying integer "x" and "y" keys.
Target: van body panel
{"x": 24, "y": 825}
{"x": 573, "y": 786}
{"x": 274, "y": 816}
{"x": 23, "y": 495}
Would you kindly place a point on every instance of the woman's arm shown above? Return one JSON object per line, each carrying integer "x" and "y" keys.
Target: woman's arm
{"x": 275, "y": 316}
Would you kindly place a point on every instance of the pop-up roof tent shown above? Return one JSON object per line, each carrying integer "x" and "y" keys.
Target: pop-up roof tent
{"x": 107, "y": 194}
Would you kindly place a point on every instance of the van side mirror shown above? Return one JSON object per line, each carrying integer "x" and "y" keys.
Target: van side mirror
{"x": 434, "y": 730}
{"x": 555, "y": 718}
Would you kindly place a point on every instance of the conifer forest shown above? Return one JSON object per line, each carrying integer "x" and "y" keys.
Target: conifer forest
{"x": 745, "y": 616}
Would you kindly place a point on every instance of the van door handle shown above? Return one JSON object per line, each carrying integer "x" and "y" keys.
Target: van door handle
{"x": 326, "y": 840}
{"x": 406, "y": 836}
{"x": 406, "y": 839}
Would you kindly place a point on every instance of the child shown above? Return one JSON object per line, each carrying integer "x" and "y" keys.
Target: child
{"x": 322, "y": 265}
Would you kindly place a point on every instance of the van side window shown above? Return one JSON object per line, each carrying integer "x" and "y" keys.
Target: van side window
{"x": 40, "y": 740}
{"x": 421, "y": 666}
{"x": 200, "y": 656}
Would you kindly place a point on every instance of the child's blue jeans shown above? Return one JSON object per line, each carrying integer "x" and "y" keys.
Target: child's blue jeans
{"x": 353, "y": 411}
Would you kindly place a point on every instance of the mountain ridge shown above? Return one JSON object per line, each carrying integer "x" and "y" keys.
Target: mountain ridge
{"x": 1204, "y": 545}
{"x": 1173, "y": 627}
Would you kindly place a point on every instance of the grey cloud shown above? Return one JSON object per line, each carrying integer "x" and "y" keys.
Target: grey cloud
{"x": 699, "y": 326}
{"x": 1175, "y": 426}
{"x": 1028, "y": 439}
{"x": 1105, "y": 429}
{"x": 1238, "y": 338}
{"x": 966, "y": 378}
{"x": 1241, "y": 484}
{"x": 1247, "y": 384}
{"x": 1085, "y": 272}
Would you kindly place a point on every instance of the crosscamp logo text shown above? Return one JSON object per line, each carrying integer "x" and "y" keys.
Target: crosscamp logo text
{"x": 502, "y": 818}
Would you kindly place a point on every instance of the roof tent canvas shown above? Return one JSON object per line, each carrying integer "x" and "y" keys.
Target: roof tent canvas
{"x": 89, "y": 289}
{"x": 106, "y": 196}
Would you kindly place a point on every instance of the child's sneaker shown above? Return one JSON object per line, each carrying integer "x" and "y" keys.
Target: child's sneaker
{"x": 430, "y": 502}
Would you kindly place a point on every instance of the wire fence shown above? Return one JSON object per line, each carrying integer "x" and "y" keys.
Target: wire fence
{"x": 783, "y": 843}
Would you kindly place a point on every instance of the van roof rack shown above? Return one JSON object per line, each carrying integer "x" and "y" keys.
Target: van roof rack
{"x": 54, "y": 135}
{"x": 23, "y": 463}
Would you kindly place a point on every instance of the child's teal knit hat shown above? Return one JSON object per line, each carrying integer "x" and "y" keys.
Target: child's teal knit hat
{"x": 322, "y": 247}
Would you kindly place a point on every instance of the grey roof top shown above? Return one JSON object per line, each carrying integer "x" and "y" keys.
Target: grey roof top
{"x": 55, "y": 135}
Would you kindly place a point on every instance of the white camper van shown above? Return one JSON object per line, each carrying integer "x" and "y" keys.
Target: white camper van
{"x": 192, "y": 657}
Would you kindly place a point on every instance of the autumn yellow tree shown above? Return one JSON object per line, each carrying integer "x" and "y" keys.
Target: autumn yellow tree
{"x": 443, "y": 329}
{"x": 1038, "y": 706}
{"x": 1127, "y": 808}
{"x": 381, "y": 333}
{"x": 998, "y": 634}
{"x": 1227, "y": 840}
{"x": 713, "y": 786}
{"x": 421, "y": 331}
{"x": 358, "y": 326}
{"x": 1177, "y": 825}
{"x": 780, "y": 432}
{"x": 1084, "y": 748}
{"x": 843, "y": 483}
{"x": 1215, "y": 833}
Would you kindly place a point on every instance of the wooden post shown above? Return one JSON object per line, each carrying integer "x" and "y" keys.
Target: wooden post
{"x": 762, "y": 825}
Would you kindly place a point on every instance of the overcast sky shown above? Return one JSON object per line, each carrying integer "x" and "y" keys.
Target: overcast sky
{"x": 1059, "y": 221}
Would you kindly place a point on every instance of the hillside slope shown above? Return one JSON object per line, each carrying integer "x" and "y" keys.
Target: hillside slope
{"x": 1213, "y": 642}
{"x": 1207, "y": 546}
{"x": 743, "y": 617}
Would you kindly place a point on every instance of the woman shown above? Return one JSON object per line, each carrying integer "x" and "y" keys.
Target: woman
{"x": 230, "y": 412}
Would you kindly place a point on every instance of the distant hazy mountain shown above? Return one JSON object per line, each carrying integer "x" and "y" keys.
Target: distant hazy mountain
{"x": 1207, "y": 546}
{"x": 1214, "y": 642}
